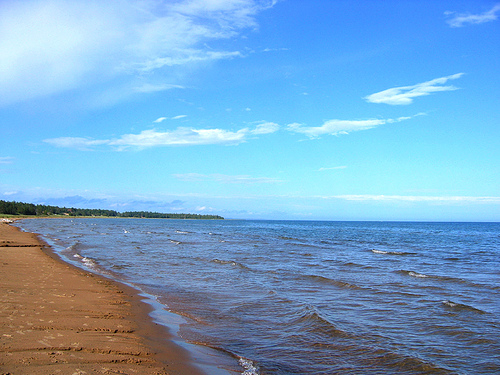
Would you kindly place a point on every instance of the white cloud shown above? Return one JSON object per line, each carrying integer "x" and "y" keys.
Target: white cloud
{"x": 409, "y": 198}
{"x": 460, "y": 20}
{"x": 51, "y": 46}
{"x": 78, "y": 143}
{"x": 405, "y": 94}
{"x": 226, "y": 179}
{"x": 181, "y": 136}
{"x": 161, "y": 119}
{"x": 275, "y": 49}
{"x": 266, "y": 128}
{"x": 337, "y": 127}
{"x": 186, "y": 57}
{"x": 6, "y": 159}
{"x": 332, "y": 168}
{"x": 150, "y": 87}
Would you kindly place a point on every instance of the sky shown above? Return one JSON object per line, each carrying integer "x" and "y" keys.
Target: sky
{"x": 254, "y": 109}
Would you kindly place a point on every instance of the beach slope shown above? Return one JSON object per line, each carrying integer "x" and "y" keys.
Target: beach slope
{"x": 58, "y": 319}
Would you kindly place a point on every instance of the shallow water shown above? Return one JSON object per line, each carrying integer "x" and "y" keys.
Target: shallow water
{"x": 291, "y": 297}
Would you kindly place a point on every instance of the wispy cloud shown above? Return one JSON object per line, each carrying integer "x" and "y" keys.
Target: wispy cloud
{"x": 6, "y": 159}
{"x": 155, "y": 87}
{"x": 226, "y": 179}
{"x": 332, "y": 168}
{"x": 161, "y": 119}
{"x": 181, "y": 136}
{"x": 48, "y": 47}
{"x": 275, "y": 49}
{"x": 244, "y": 10}
{"x": 266, "y": 128}
{"x": 338, "y": 127}
{"x": 79, "y": 143}
{"x": 404, "y": 95}
{"x": 410, "y": 198}
{"x": 460, "y": 20}
{"x": 191, "y": 58}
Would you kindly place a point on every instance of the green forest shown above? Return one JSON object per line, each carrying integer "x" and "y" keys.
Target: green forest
{"x": 30, "y": 209}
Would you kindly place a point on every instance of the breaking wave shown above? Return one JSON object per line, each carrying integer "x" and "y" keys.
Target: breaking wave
{"x": 392, "y": 252}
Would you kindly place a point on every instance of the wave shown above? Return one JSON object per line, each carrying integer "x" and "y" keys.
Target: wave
{"x": 120, "y": 266}
{"x": 392, "y": 252}
{"x": 88, "y": 262}
{"x": 231, "y": 263}
{"x": 309, "y": 319}
{"x": 461, "y": 307}
{"x": 414, "y": 274}
{"x": 326, "y": 280}
{"x": 357, "y": 265}
{"x": 449, "y": 279}
{"x": 249, "y": 366}
{"x": 322, "y": 334}
{"x": 73, "y": 248}
{"x": 289, "y": 238}
{"x": 404, "y": 364}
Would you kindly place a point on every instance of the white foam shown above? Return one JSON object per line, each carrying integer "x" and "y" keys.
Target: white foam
{"x": 389, "y": 252}
{"x": 250, "y": 368}
{"x": 89, "y": 262}
{"x": 416, "y": 274}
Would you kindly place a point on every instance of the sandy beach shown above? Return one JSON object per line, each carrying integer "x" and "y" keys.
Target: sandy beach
{"x": 58, "y": 319}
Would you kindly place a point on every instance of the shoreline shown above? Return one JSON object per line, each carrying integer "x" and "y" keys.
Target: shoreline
{"x": 58, "y": 318}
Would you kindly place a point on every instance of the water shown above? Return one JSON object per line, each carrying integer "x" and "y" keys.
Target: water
{"x": 290, "y": 297}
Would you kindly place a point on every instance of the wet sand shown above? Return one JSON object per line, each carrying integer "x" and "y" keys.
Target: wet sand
{"x": 58, "y": 319}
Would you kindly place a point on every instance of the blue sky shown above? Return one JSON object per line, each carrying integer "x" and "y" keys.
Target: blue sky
{"x": 255, "y": 109}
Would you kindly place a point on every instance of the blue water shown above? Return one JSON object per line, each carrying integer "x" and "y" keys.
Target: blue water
{"x": 310, "y": 297}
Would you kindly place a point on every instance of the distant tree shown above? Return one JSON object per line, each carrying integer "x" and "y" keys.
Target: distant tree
{"x": 20, "y": 208}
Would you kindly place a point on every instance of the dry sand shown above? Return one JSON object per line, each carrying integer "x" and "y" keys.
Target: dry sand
{"x": 58, "y": 319}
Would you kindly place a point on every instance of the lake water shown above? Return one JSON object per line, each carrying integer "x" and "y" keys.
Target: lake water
{"x": 304, "y": 297}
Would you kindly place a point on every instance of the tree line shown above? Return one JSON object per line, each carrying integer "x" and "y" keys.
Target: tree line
{"x": 30, "y": 209}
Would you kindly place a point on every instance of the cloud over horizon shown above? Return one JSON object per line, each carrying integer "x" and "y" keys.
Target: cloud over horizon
{"x": 6, "y": 159}
{"x": 404, "y": 95}
{"x": 332, "y": 168}
{"x": 239, "y": 179}
{"x": 414, "y": 198}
